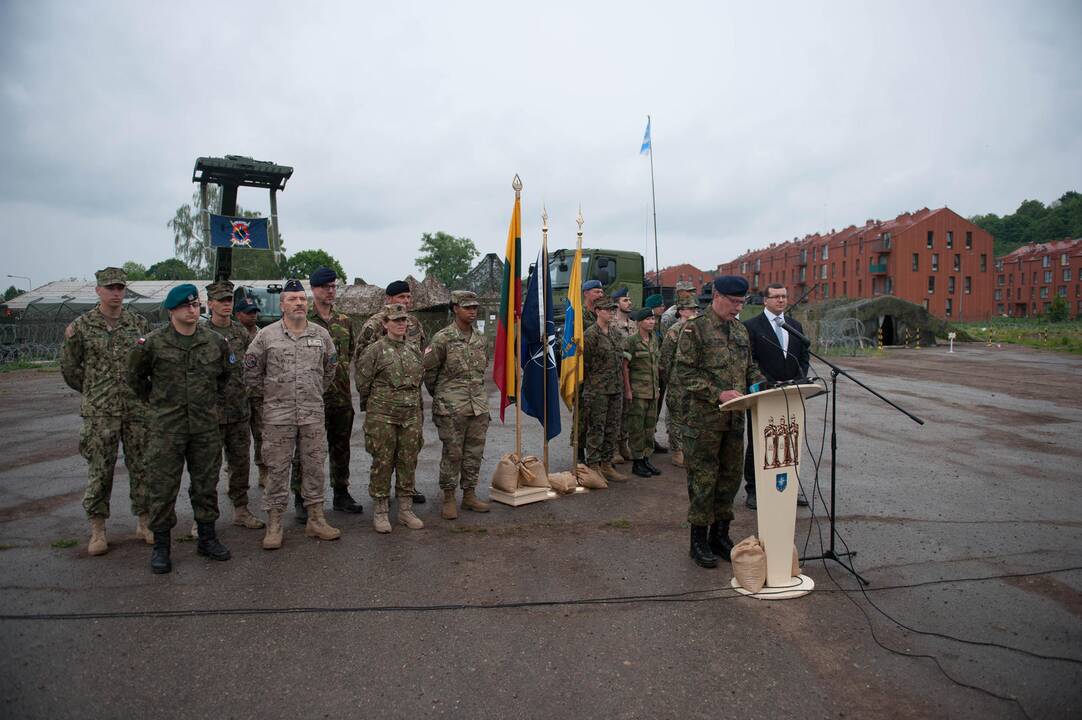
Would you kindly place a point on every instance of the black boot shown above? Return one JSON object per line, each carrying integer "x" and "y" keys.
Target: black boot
{"x": 801, "y": 501}
{"x": 700, "y": 548}
{"x": 208, "y": 543}
{"x": 751, "y": 503}
{"x": 159, "y": 556}
{"x": 299, "y": 510}
{"x": 720, "y": 542}
{"x": 344, "y": 502}
{"x": 419, "y": 498}
{"x": 650, "y": 466}
{"x": 659, "y": 448}
{"x": 640, "y": 469}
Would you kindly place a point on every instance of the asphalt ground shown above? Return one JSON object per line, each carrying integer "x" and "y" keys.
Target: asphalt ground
{"x": 586, "y": 605}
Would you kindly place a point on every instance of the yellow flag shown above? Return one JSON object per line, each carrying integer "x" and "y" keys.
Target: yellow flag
{"x": 571, "y": 366}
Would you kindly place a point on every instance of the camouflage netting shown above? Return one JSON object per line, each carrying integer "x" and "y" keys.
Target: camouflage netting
{"x": 856, "y": 323}
{"x": 486, "y": 278}
{"x": 363, "y": 300}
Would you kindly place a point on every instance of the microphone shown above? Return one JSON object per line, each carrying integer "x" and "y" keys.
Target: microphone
{"x": 796, "y": 333}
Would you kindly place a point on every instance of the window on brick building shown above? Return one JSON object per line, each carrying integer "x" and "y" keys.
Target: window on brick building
{"x": 984, "y": 263}
{"x": 935, "y": 262}
{"x": 1032, "y": 293}
{"x": 968, "y": 284}
{"x": 826, "y": 252}
{"x": 860, "y": 286}
{"x": 1062, "y": 291}
{"x": 1046, "y": 261}
{"x": 931, "y": 239}
{"x": 1010, "y": 279}
{"x": 999, "y": 309}
{"x": 950, "y": 239}
{"x": 997, "y": 295}
{"x": 845, "y": 288}
{"x": 950, "y": 285}
{"x": 969, "y": 239}
{"x": 1048, "y": 276}
{"x": 822, "y": 272}
{"x": 916, "y": 262}
{"x": 832, "y": 270}
{"x": 888, "y": 285}
{"x": 957, "y": 262}
{"x": 931, "y": 284}
{"x": 1034, "y": 277}
{"x": 825, "y": 290}
{"x": 1044, "y": 293}
{"x": 1067, "y": 274}
{"x": 756, "y": 283}
{"x": 758, "y": 264}
{"x": 1018, "y": 294}
{"x": 1063, "y": 259}
{"x": 845, "y": 249}
{"x": 948, "y": 307}
{"x": 803, "y": 256}
{"x": 843, "y": 268}
{"x": 999, "y": 279}
{"x": 815, "y": 254}
{"x": 924, "y": 303}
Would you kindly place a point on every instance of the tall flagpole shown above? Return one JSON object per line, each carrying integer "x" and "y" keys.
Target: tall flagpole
{"x": 580, "y": 358}
{"x": 543, "y": 284}
{"x": 653, "y": 199}
{"x": 517, "y": 185}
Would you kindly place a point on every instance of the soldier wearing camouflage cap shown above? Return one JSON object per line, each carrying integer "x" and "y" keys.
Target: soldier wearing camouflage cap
{"x": 234, "y": 409}
{"x": 601, "y": 388}
{"x": 641, "y": 391}
{"x": 93, "y": 361}
{"x": 181, "y": 370}
{"x": 389, "y": 374}
{"x": 624, "y": 326}
{"x": 675, "y": 398}
{"x": 455, "y": 365}
{"x": 684, "y": 290}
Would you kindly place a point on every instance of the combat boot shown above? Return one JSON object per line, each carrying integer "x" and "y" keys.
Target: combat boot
{"x": 470, "y": 501}
{"x": 678, "y": 458}
{"x": 299, "y": 509}
{"x": 639, "y": 469}
{"x": 406, "y": 516}
{"x": 242, "y": 517}
{"x": 617, "y": 459}
{"x": 612, "y": 474}
{"x": 449, "y": 510}
{"x": 700, "y": 548}
{"x": 208, "y": 545}
{"x": 720, "y": 542}
{"x": 419, "y": 497}
{"x": 317, "y": 526}
{"x": 262, "y": 478}
{"x": 625, "y": 450}
{"x": 379, "y": 519}
{"x": 142, "y": 528}
{"x": 195, "y": 530}
{"x": 98, "y": 545}
{"x": 272, "y": 540}
{"x": 344, "y": 502}
{"x": 659, "y": 448}
{"x": 650, "y": 466}
{"x": 159, "y": 556}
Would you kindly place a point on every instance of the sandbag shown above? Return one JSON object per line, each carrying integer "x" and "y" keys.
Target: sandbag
{"x": 506, "y": 476}
{"x": 749, "y": 564}
{"x": 796, "y": 562}
{"x": 532, "y": 472}
{"x": 563, "y": 482}
{"x": 588, "y": 478}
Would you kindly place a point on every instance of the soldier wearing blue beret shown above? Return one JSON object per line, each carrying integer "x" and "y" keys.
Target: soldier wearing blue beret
{"x": 180, "y": 371}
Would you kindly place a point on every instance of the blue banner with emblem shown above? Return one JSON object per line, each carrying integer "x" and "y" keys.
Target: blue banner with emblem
{"x": 239, "y": 232}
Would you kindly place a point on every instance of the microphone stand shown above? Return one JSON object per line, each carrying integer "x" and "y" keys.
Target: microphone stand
{"x": 835, "y": 371}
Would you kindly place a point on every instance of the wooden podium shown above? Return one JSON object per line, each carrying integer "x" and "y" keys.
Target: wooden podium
{"x": 777, "y": 420}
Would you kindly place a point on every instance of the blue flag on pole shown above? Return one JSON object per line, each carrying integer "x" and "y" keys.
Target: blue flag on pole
{"x": 239, "y": 232}
{"x": 540, "y": 382}
{"x": 646, "y": 139}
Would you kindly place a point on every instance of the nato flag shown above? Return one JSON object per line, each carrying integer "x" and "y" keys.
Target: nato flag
{"x": 539, "y": 372}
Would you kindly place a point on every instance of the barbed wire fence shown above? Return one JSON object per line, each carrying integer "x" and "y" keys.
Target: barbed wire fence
{"x": 845, "y": 335}
{"x": 34, "y": 341}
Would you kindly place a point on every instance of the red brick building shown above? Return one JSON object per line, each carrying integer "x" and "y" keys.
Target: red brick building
{"x": 1030, "y": 277}
{"x": 685, "y": 272}
{"x": 934, "y": 258}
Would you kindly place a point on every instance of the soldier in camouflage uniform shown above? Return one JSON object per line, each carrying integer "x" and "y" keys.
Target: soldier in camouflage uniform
{"x": 397, "y": 293}
{"x": 293, "y": 361}
{"x": 714, "y": 365}
{"x": 338, "y": 400}
{"x": 675, "y": 397}
{"x": 247, "y": 313}
{"x": 601, "y": 387}
{"x": 591, "y": 293}
{"x": 234, "y": 413}
{"x": 94, "y": 360}
{"x": 684, "y": 291}
{"x": 624, "y": 326}
{"x": 181, "y": 370}
{"x": 388, "y": 375}
{"x": 455, "y": 365}
{"x": 641, "y": 355}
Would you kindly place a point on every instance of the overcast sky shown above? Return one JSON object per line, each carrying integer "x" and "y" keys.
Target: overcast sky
{"x": 401, "y": 118}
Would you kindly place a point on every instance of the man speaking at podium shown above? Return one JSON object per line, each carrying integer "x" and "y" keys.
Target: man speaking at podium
{"x": 780, "y": 355}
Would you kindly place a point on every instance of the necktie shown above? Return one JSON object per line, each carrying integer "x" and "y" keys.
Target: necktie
{"x": 781, "y": 333}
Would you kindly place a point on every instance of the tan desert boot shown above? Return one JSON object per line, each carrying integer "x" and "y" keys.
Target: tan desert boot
{"x": 678, "y": 458}
{"x": 195, "y": 530}
{"x": 618, "y": 459}
{"x": 612, "y": 474}
{"x": 449, "y": 511}
{"x": 379, "y": 517}
{"x": 272, "y": 540}
{"x": 317, "y": 526}
{"x": 98, "y": 545}
{"x": 406, "y": 516}
{"x": 242, "y": 517}
{"x": 470, "y": 501}
{"x": 625, "y": 450}
{"x": 142, "y": 529}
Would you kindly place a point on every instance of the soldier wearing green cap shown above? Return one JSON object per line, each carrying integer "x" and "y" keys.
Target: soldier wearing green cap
{"x": 675, "y": 397}
{"x": 624, "y": 325}
{"x": 181, "y": 371}
{"x": 684, "y": 290}
{"x": 234, "y": 409}
{"x": 389, "y": 374}
{"x": 455, "y": 365}
{"x": 641, "y": 355}
{"x": 601, "y": 388}
{"x": 93, "y": 360}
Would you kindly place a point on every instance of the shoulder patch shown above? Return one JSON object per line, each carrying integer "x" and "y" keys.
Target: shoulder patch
{"x": 141, "y": 341}
{"x": 232, "y": 358}
{"x": 69, "y": 331}
{"x": 249, "y": 361}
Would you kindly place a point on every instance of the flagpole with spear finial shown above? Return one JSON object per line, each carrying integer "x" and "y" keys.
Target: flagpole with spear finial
{"x": 543, "y": 284}
{"x": 517, "y": 185}
{"x": 580, "y": 359}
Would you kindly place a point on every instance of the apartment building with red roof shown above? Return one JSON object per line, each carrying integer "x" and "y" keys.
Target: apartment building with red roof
{"x": 1028, "y": 278}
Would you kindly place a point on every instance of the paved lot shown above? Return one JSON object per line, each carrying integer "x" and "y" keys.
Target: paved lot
{"x": 968, "y": 526}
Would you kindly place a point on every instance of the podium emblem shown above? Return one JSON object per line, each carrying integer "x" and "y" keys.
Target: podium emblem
{"x": 781, "y": 481}
{"x": 782, "y": 442}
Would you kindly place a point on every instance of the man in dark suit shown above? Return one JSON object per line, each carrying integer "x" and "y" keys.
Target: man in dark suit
{"x": 780, "y": 355}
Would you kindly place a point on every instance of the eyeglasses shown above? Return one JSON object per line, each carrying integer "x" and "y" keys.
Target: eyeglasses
{"x": 736, "y": 300}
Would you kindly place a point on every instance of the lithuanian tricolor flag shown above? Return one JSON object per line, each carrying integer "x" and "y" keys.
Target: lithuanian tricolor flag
{"x": 505, "y": 363}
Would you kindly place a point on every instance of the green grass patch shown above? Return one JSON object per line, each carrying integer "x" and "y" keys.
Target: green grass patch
{"x": 64, "y": 543}
{"x": 619, "y": 524}
{"x": 1031, "y": 332}
{"x": 469, "y": 529}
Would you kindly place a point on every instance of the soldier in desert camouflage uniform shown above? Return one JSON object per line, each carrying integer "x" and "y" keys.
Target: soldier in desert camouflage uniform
{"x": 455, "y": 365}
{"x": 234, "y": 411}
{"x": 714, "y": 365}
{"x": 397, "y": 293}
{"x": 388, "y": 375}
{"x": 675, "y": 397}
{"x": 293, "y": 361}
{"x": 180, "y": 371}
{"x": 94, "y": 361}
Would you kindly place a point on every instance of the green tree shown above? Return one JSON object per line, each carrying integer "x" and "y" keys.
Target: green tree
{"x": 1034, "y": 222}
{"x": 304, "y": 263}
{"x": 134, "y": 270}
{"x": 256, "y": 265}
{"x": 171, "y": 269}
{"x": 447, "y": 257}
{"x": 189, "y": 240}
{"x": 12, "y": 292}
{"x": 1058, "y": 311}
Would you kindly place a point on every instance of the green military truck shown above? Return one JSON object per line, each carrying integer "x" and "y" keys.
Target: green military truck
{"x": 613, "y": 268}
